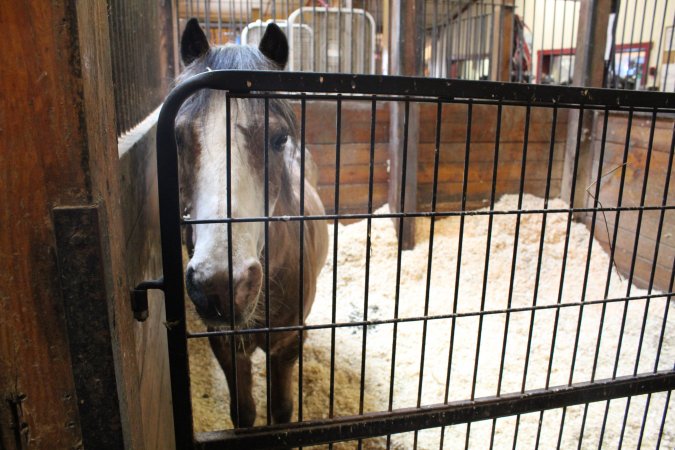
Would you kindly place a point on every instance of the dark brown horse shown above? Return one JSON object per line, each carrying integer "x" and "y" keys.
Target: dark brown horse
{"x": 202, "y": 142}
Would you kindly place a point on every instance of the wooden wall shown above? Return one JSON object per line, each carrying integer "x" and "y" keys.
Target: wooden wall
{"x": 58, "y": 138}
{"x": 143, "y": 261}
{"x": 482, "y": 153}
{"x": 633, "y": 185}
{"x": 355, "y": 136}
{"x": 355, "y": 153}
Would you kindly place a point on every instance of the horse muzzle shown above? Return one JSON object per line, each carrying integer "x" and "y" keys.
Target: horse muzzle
{"x": 211, "y": 293}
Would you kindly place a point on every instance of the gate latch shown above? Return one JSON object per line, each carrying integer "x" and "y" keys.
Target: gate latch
{"x": 139, "y": 297}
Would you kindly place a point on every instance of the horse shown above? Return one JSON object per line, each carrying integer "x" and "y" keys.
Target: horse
{"x": 201, "y": 135}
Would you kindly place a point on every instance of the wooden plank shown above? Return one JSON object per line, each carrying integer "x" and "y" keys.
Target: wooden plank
{"x": 640, "y": 130}
{"x": 353, "y": 174}
{"x": 508, "y": 170}
{"x": 139, "y": 197}
{"x": 481, "y": 151}
{"x": 484, "y": 130}
{"x": 40, "y": 166}
{"x": 353, "y": 197}
{"x": 321, "y": 122}
{"x": 643, "y": 269}
{"x": 634, "y": 178}
{"x": 97, "y": 118}
{"x": 646, "y": 242}
{"x": 350, "y": 154}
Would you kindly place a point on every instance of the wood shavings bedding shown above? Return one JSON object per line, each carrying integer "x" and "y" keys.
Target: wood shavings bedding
{"x": 209, "y": 389}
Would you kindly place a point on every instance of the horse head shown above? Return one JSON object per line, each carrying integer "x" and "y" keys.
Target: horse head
{"x": 236, "y": 180}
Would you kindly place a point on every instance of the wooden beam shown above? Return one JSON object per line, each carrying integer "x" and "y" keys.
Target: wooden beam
{"x": 502, "y": 41}
{"x": 406, "y": 58}
{"x": 589, "y": 63}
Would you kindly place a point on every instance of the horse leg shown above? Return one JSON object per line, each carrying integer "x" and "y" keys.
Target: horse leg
{"x": 242, "y": 414}
{"x": 282, "y": 360}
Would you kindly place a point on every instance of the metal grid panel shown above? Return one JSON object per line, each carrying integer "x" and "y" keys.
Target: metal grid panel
{"x": 648, "y": 373}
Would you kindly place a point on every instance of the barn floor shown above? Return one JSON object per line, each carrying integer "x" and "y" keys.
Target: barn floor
{"x": 209, "y": 389}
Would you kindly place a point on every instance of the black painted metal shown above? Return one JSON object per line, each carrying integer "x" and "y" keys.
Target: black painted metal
{"x": 305, "y": 86}
{"x": 410, "y": 419}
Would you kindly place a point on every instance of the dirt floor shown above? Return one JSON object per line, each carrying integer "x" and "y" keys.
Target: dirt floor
{"x": 209, "y": 391}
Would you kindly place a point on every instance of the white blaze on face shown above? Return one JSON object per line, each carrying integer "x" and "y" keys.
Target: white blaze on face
{"x": 210, "y": 199}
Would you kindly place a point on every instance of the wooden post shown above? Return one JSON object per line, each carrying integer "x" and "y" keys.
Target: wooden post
{"x": 502, "y": 41}
{"x": 406, "y": 54}
{"x": 589, "y": 63}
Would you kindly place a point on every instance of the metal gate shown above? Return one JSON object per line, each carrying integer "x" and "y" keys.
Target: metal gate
{"x": 619, "y": 346}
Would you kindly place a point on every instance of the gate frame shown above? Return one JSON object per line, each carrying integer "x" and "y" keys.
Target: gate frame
{"x": 243, "y": 83}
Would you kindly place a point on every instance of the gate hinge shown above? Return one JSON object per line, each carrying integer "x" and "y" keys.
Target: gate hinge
{"x": 139, "y": 297}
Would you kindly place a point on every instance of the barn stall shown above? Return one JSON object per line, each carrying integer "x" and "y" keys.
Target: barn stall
{"x": 500, "y": 322}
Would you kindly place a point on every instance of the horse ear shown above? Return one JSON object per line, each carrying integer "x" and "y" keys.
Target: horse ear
{"x": 193, "y": 43}
{"x": 274, "y": 45}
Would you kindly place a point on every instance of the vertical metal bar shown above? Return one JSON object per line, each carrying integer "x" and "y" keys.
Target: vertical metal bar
{"x": 623, "y": 33}
{"x": 562, "y": 42}
{"x": 435, "y": 70}
{"x": 614, "y": 237}
{"x": 642, "y": 28}
{"x": 339, "y": 38}
{"x": 643, "y": 196}
{"x": 611, "y": 259}
{"x": 228, "y": 162}
{"x": 514, "y": 258}
{"x": 572, "y": 37}
{"x": 543, "y": 38}
{"x": 486, "y": 268}
{"x": 672, "y": 279}
{"x": 540, "y": 253}
{"x": 651, "y": 36}
{"x": 220, "y": 23}
{"x": 351, "y": 39}
{"x": 398, "y": 259}
{"x": 632, "y": 271}
{"x": 460, "y": 235}
{"x": 266, "y": 268}
{"x": 336, "y": 207}
{"x": 313, "y": 31}
{"x": 532, "y": 51}
{"x": 664, "y": 202}
{"x": 612, "y": 54}
{"x": 207, "y": 19}
{"x": 562, "y": 272}
{"x": 430, "y": 254}
{"x": 670, "y": 49}
{"x": 364, "y": 329}
{"x": 555, "y": 4}
{"x": 663, "y": 28}
{"x": 325, "y": 40}
{"x": 172, "y": 266}
{"x": 301, "y": 270}
{"x": 663, "y": 420}
{"x": 596, "y": 198}
{"x": 302, "y": 50}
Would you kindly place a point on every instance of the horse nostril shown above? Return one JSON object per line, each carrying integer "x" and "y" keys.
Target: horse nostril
{"x": 194, "y": 290}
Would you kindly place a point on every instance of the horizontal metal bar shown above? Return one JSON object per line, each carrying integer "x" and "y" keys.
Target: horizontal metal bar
{"x": 428, "y": 214}
{"x": 410, "y": 419}
{"x": 435, "y": 100}
{"x": 492, "y": 312}
{"x": 247, "y": 81}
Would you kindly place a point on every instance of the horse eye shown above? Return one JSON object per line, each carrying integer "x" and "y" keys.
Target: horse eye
{"x": 279, "y": 141}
